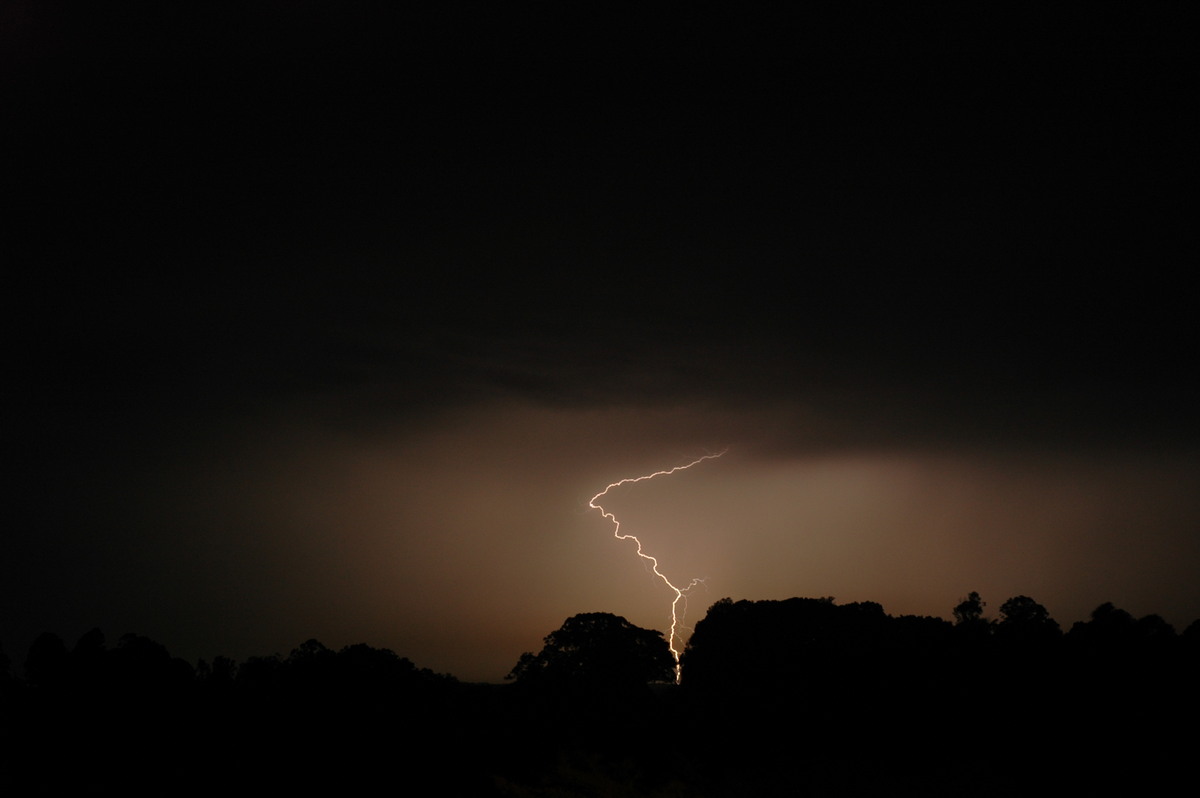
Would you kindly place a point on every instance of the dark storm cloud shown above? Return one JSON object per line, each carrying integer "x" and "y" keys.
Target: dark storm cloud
{"x": 920, "y": 236}
{"x": 941, "y": 232}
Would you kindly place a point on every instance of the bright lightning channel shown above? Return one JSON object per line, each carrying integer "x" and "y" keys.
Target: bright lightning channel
{"x": 680, "y": 592}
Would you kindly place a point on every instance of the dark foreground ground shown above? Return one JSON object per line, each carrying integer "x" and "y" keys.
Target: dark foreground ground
{"x": 841, "y": 701}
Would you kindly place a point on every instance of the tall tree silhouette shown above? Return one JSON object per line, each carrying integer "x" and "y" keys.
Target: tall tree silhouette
{"x": 597, "y": 650}
{"x": 969, "y": 610}
{"x": 970, "y": 626}
{"x": 1024, "y": 621}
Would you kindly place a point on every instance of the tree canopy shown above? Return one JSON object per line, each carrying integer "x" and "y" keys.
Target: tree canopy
{"x": 597, "y": 649}
{"x": 1024, "y": 620}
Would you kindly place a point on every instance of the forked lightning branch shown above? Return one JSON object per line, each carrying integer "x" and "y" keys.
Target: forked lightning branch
{"x": 680, "y": 592}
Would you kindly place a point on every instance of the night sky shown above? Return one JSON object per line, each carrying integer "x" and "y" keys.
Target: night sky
{"x": 327, "y": 323}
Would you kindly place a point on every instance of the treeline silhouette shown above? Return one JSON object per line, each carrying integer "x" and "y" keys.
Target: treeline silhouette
{"x": 315, "y": 719}
{"x": 978, "y": 706}
{"x": 799, "y": 695}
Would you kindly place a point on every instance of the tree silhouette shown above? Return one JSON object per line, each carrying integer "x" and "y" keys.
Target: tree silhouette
{"x": 969, "y": 610}
{"x": 1109, "y": 629}
{"x": 971, "y": 629}
{"x": 1023, "y": 620}
{"x": 47, "y": 662}
{"x": 597, "y": 650}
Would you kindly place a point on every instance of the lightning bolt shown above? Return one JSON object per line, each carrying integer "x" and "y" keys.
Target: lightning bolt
{"x": 680, "y": 592}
